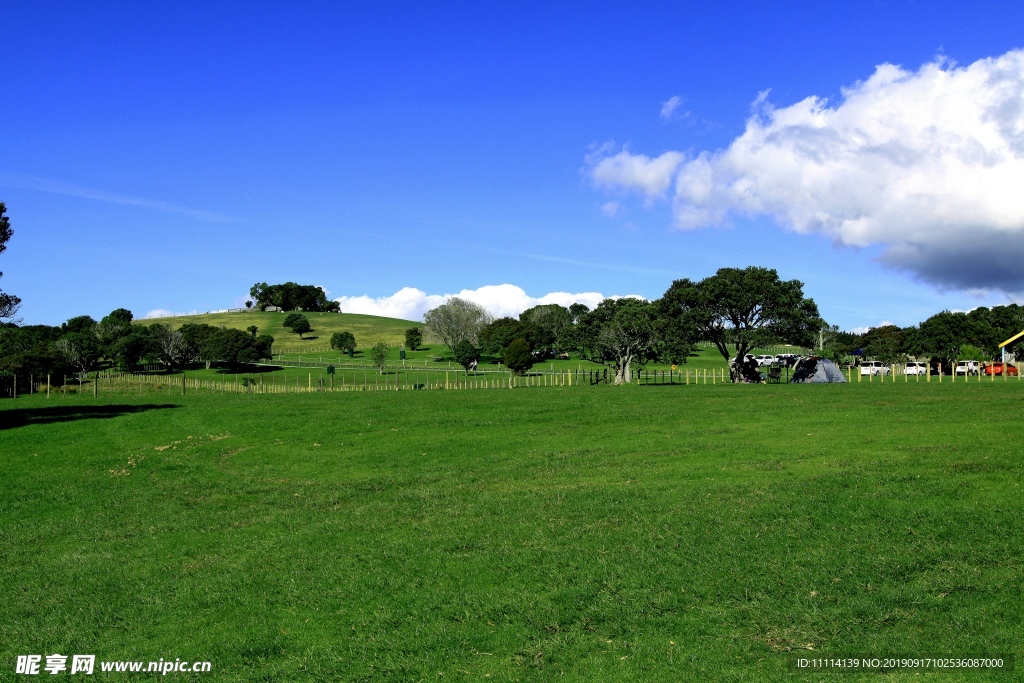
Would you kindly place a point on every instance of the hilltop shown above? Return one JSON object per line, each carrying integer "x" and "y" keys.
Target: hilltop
{"x": 368, "y": 329}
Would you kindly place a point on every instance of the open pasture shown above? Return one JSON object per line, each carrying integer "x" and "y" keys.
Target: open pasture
{"x": 620, "y": 533}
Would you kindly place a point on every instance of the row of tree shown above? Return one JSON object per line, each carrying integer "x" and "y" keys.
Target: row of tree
{"x": 82, "y": 345}
{"x": 736, "y": 309}
{"x": 290, "y": 296}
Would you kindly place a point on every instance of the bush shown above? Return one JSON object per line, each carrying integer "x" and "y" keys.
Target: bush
{"x": 379, "y": 355}
{"x": 343, "y": 341}
{"x": 465, "y": 354}
{"x": 518, "y": 357}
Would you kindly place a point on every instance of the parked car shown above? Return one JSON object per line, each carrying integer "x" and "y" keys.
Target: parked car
{"x": 874, "y": 367}
{"x": 787, "y": 360}
{"x": 916, "y": 368}
{"x": 967, "y": 367}
{"x": 764, "y": 360}
{"x": 999, "y": 368}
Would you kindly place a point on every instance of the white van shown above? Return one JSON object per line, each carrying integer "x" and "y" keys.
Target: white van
{"x": 916, "y": 368}
{"x": 967, "y": 367}
{"x": 874, "y": 367}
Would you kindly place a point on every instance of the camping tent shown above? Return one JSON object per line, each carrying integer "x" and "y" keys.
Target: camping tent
{"x": 816, "y": 371}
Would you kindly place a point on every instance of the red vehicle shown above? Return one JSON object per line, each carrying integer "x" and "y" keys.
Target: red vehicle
{"x": 998, "y": 368}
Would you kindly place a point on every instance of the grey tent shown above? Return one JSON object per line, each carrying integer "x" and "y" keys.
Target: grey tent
{"x": 816, "y": 371}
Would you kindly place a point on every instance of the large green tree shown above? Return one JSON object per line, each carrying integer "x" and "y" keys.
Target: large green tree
{"x": 343, "y": 341}
{"x": 620, "y": 333}
{"x": 297, "y": 323}
{"x": 742, "y": 308}
{"x": 8, "y": 302}
{"x": 496, "y": 335}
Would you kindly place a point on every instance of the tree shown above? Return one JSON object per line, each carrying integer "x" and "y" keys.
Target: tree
{"x": 466, "y": 354}
{"x": 886, "y": 343}
{"x": 620, "y": 332}
{"x": 112, "y": 327}
{"x": 236, "y": 347}
{"x": 745, "y": 308}
{"x": 297, "y": 323}
{"x": 413, "y": 338}
{"x": 496, "y": 335}
{"x": 343, "y": 341}
{"x": 547, "y": 323}
{"x": 130, "y": 349}
{"x": 9, "y": 303}
{"x": 198, "y": 343}
{"x": 379, "y": 355}
{"x": 80, "y": 349}
{"x": 456, "y": 320}
{"x": 291, "y": 296}
{"x": 170, "y": 345}
{"x": 518, "y": 356}
{"x": 252, "y": 329}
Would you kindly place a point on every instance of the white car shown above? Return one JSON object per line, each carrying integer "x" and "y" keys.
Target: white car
{"x": 916, "y": 368}
{"x": 764, "y": 360}
{"x": 874, "y": 367}
{"x": 967, "y": 367}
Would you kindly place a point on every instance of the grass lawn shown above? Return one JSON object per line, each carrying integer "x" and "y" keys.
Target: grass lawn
{"x": 614, "y": 533}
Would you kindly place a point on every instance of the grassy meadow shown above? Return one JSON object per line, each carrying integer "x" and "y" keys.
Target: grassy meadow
{"x": 368, "y": 329}
{"x": 610, "y": 534}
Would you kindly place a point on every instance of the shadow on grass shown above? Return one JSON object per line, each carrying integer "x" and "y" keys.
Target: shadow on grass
{"x": 21, "y": 417}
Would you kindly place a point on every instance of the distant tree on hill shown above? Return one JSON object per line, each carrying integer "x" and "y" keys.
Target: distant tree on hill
{"x": 8, "y": 302}
{"x": 413, "y": 338}
{"x": 518, "y": 356}
{"x": 291, "y": 296}
{"x": 252, "y": 329}
{"x": 379, "y": 355}
{"x": 343, "y": 341}
{"x": 466, "y": 354}
{"x": 456, "y": 320}
{"x": 297, "y": 323}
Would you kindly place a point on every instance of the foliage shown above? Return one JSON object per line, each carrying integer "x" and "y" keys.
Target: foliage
{"x": 130, "y": 349}
{"x": 970, "y": 352}
{"x": 518, "y": 356}
{"x": 292, "y": 297}
{"x": 80, "y": 349}
{"x": 455, "y": 320}
{"x": 379, "y": 355}
{"x": 746, "y": 308}
{"x": 498, "y": 334}
{"x": 112, "y": 327}
{"x": 252, "y": 329}
{"x": 199, "y": 343}
{"x": 886, "y": 343}
{"x": 546, "y": 324}
{"x": 297, "y": 323}
{"x": 343, "y": 341}
{"x": 9, "y": 303}
{"x": 413, "y": 338}
{"x": 235, "y": 347}
{"x": 620, "y": 333}
{"x": 465, "y": 353}
{"x": 28, "y": 352}
{"x": 170, "y": 346}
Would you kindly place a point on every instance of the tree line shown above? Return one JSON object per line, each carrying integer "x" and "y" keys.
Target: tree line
{"x": 82, "y": 345}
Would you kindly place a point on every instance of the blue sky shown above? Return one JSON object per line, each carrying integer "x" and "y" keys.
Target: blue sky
{"x": 169, "y": 156}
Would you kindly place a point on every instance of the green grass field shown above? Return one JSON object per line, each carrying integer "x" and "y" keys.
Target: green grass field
{"x": 619, "y": 534}
{"x": 368, "y": 329}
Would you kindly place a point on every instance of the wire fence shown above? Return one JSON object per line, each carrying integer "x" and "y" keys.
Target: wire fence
{"x": 362, "y": 379}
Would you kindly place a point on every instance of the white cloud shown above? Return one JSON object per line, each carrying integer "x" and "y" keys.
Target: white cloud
{"x": 928, "y": 164}
{"x": 160, "y": 313}
{"x": 410, "y": 303}
{"x": 670, "y": 106}
{"x": 637, "y": 172}
{"x": 612, "y": 209}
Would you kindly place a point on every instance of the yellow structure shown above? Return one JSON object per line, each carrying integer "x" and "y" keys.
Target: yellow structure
{"x": 1008, "y": 342}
